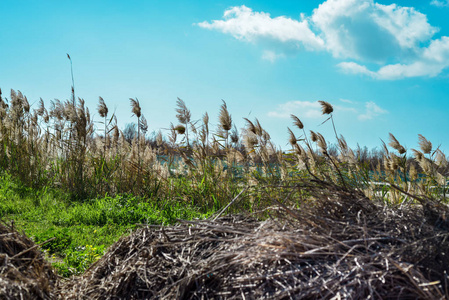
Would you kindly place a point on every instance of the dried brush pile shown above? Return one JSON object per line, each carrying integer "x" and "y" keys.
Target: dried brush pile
{"x": 24, "y": 273}
{"x": 341, "y": 245}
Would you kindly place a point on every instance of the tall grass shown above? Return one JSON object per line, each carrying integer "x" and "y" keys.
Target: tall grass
{"x": 62, "y": 147}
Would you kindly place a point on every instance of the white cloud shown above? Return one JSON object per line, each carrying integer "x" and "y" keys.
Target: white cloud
{"x": 372, "y": 110}
{"x": 271, "y": 55}
{"x": 431, "y": 62}
{"x": 440, "y": 3}
{"x": 312, "y": 110}
{"x": 354, "y": 68}
{"x": 364, "y": 30}
{"x": 396, "y": 39}
{"x": 242, "y": 23}
{"x": 346, "y": 101}
{"x": 306, "y": 109}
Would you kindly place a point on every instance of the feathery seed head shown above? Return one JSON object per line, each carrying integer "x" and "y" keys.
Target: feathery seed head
{"x": 342, "y": 144}
{"x": 394, "y": 161}
{"x": 205, "y": 125}
{"x": 206, "y": 119}
{"x": 116, "y": 134}
{"x": 265, "y": 135}
{"x": 424, "y": 144}
{"x": 40, "y": 111}
{"x": 102, "y": 108}
{"x": 16, "y": 100}
{"x": 326, "y": 107}
{"x": 68, "y": 111}
{"x": 418, "y": 154}
{"x": 46, "y": 117}
{"x": 135, "y": 105}
{"x": 259, "y": 129}
{"x": 297, "y": 122}
{"x": 385, "y": 148}
{"x": 322, "y": 143}
{"x": 26, "y": 105}
{"x": 250, "y": 140}
{"x": 234, "y": 135}
{"x": 180, "y": 129}
{"x": 426, "y": 166}
{"x": 440, "y": 159}
{"x": 184, "y": 114}
{"x": 292, "y": 138}
{"x": 224, "y": 117}
{"x": 394, "y": 143}
{"x": 313, "y": 136}
{"x": 143, "y": 124}
{"x": 386, "y": 163}
{"x": 250, "y": 126}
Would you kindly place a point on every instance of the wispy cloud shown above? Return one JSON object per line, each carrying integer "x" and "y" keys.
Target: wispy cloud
{"x": 440, "y": 3}
{"x": 372, "y": 110}
{"x": 312, "y": 110}
{"x": 271, "y": 55}
{"x": 306, "y": 109}
{"x": 397, "y": 39}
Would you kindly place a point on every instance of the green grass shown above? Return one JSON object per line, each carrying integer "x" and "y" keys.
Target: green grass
{"x": 82, "y": 231}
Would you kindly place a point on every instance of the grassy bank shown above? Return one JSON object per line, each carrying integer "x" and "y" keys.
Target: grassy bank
{"x": 81, "y": 231}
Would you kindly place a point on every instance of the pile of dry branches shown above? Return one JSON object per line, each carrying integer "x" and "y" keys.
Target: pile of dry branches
{"x": 24, "y": 273}
{"x": 339, "y": 246}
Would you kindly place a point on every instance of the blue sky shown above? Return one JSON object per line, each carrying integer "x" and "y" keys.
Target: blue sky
{"x": 383, "y": 65}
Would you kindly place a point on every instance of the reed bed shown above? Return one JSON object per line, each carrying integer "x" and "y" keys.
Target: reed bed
{"x": 63, "y": 147}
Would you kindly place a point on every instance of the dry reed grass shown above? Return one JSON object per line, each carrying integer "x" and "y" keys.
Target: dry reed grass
{"x": 60, "y": 147}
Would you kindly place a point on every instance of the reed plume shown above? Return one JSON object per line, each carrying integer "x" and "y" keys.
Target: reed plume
{"x": 250, "y": 126}
{"x": 313, "y": 136}
{"x": 180, "y": 129}
{"x": 183, "y": 117}
{"x": 326, "y": 107}
{"x": 292, "y": 138}
{"x": 135, "y": 105}
{"x": 143, "y": 125}
{"x": 225, "y": 119}
{"x": 424, "y": 144}
{"x": 297, "y": 122}
{"x": 394, "y": 143}
{"x": 102, "y": 108}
